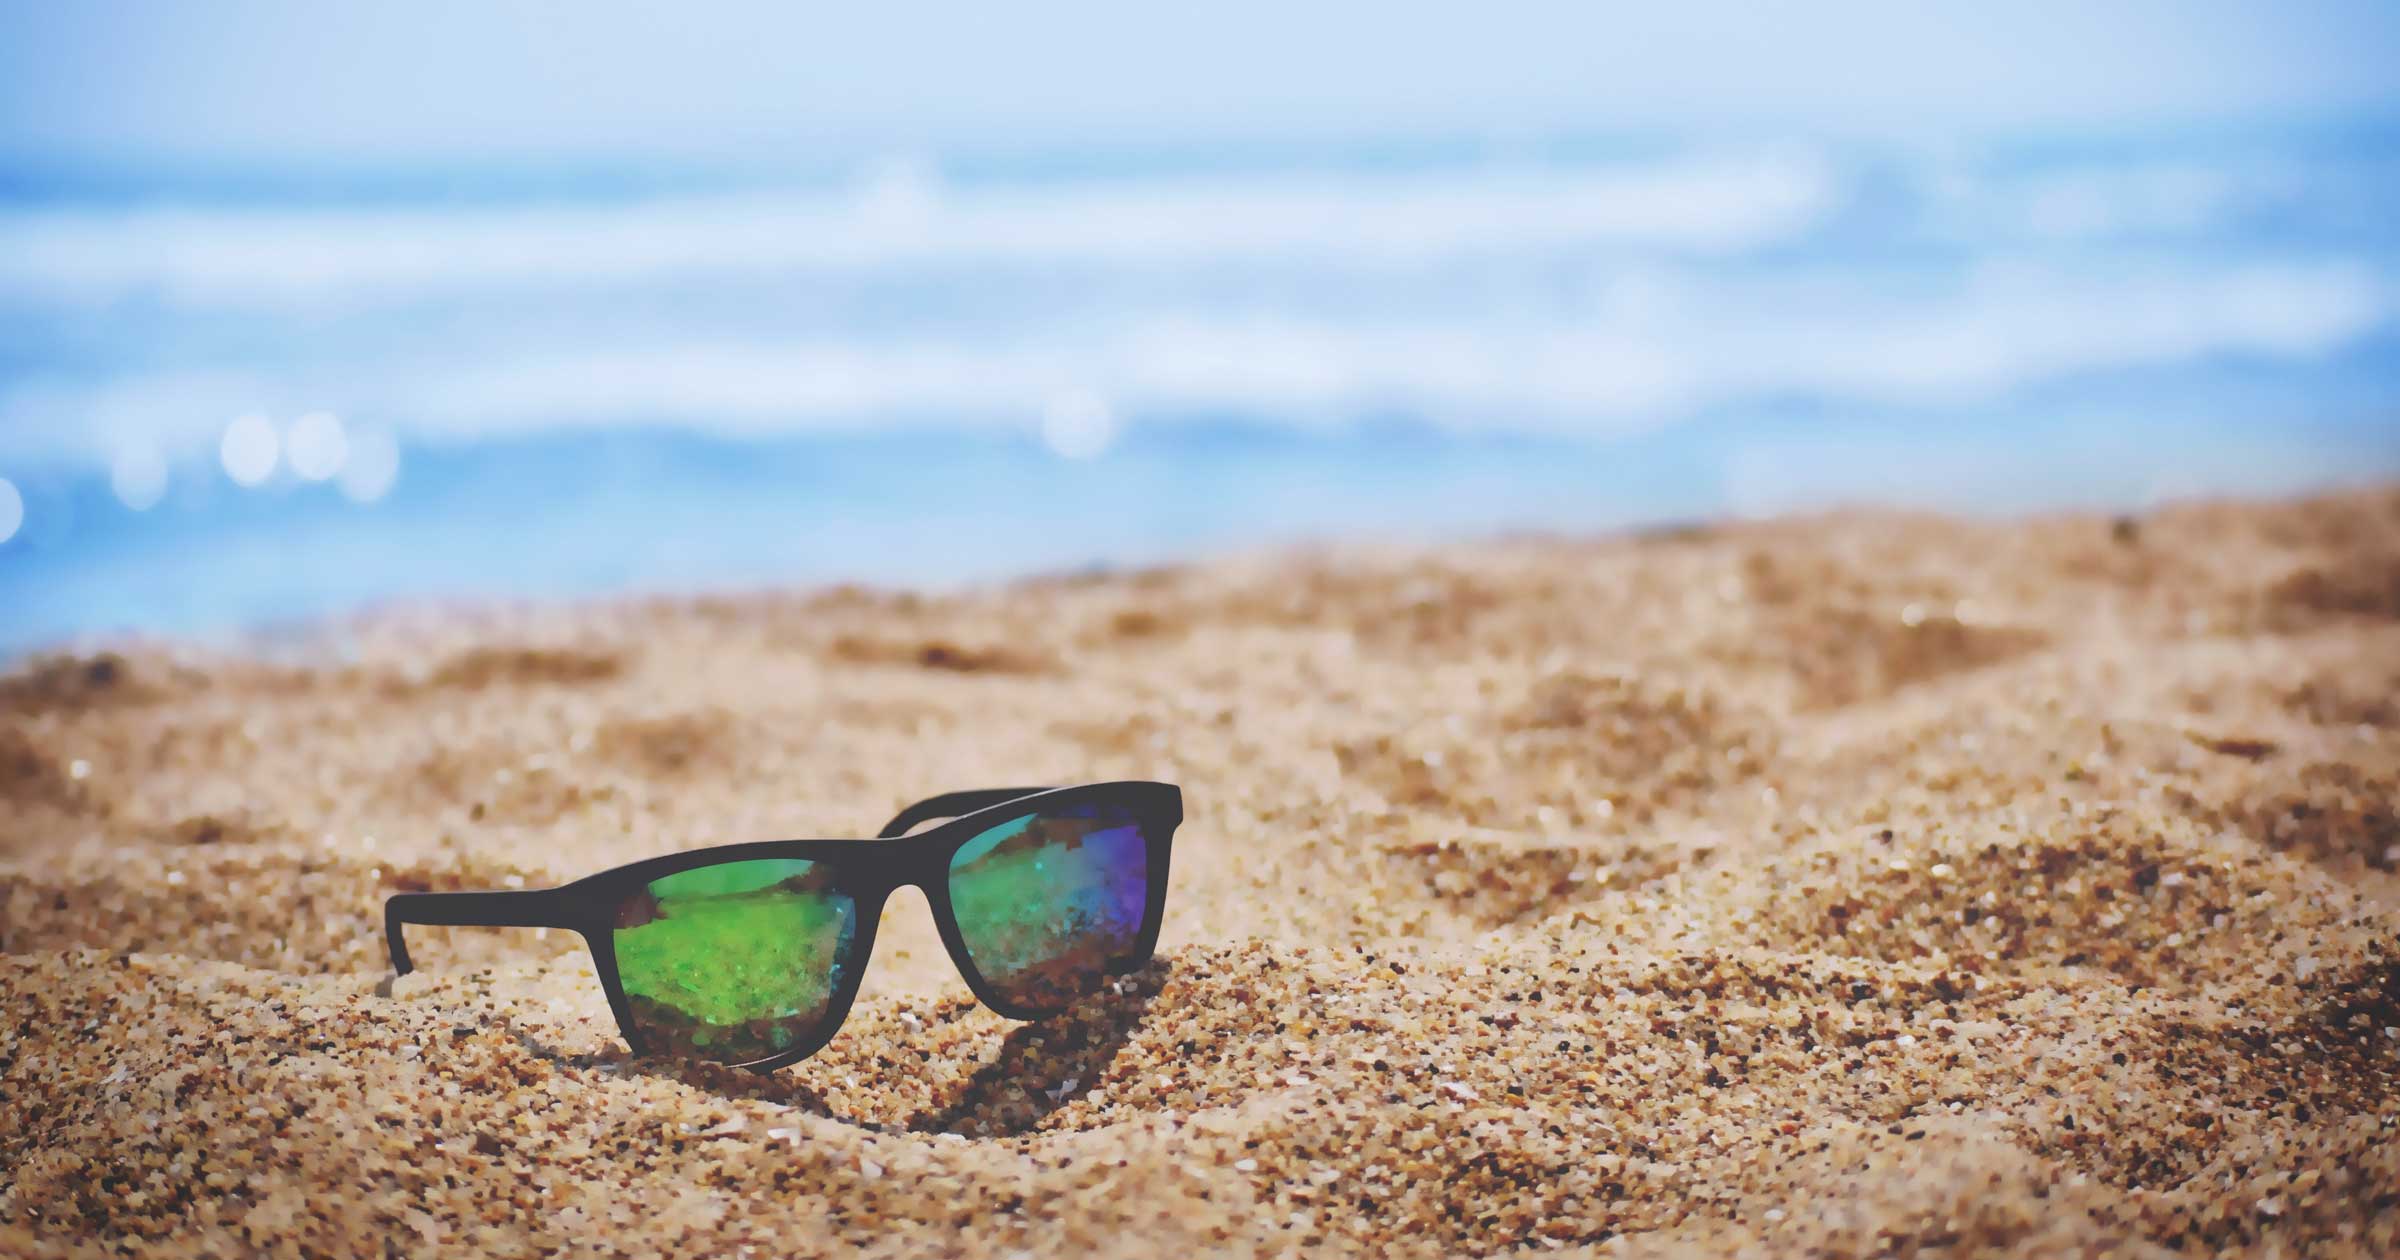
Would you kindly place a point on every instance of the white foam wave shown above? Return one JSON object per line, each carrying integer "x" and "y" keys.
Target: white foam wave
{"x": 247, "y": 257}
{"x": 1644, "y": 351}
{"x": 1682, "y": 347}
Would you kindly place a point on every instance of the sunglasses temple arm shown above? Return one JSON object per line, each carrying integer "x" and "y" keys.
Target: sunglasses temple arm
{"x": 951, "y": 805}
{"x": 533, "y": 907}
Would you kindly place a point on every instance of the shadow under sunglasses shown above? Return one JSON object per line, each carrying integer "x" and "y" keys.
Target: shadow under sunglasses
{"x": 1037, "y": 1069}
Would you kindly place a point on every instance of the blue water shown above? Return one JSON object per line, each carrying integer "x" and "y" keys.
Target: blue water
{"x": 932, "y": 368}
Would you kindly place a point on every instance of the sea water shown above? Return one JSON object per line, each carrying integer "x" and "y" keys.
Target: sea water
{"x": 231, "y": 398}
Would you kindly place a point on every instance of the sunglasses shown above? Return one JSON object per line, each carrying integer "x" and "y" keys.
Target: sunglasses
{"x": 750, "y": 954}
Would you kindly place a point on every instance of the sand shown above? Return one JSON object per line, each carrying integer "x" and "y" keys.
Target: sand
{"x": 1850, "y": 885}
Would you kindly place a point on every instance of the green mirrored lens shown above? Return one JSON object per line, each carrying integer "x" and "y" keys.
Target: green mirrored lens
{"x": 1046, "y": 903}
{"x": 735, "y": 962}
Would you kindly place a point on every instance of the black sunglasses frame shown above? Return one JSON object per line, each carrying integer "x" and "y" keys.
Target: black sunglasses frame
{"x": 869, "y": 871}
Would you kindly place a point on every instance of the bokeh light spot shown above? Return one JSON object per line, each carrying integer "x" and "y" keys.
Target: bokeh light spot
{"x": 371, "y": 466}
{"x": 138, "y": 476}
{"x": 1079, "y": 425}
{"x": 12, "y": 509}
{"x": 900, "y": 191}
{"x": 250, "y": 450}
{"x": 317, "y": 446}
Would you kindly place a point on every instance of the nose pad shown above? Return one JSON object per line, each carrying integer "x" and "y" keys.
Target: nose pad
{"x": 910, "y": 961}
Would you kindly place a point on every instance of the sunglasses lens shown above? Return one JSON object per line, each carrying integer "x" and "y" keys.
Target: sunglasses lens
{"x": 1047, "y": 903}
{"x": 736, "y": 962}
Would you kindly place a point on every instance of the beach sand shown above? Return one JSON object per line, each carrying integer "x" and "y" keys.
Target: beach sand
{"x": 1858, "y": 884}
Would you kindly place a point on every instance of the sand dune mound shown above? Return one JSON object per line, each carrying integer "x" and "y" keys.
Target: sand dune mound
{"x": 1844, "y": 886}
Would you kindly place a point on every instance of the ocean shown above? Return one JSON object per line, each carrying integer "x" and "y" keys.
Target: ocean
{"x": 231, "y": 399}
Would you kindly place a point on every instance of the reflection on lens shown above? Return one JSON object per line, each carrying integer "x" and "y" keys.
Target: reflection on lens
{"x": 735, "y": 962}
{"x": 1047, "y": 902}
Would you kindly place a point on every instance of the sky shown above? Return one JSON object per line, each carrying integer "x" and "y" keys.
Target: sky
{"x": 242, "y": 81}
